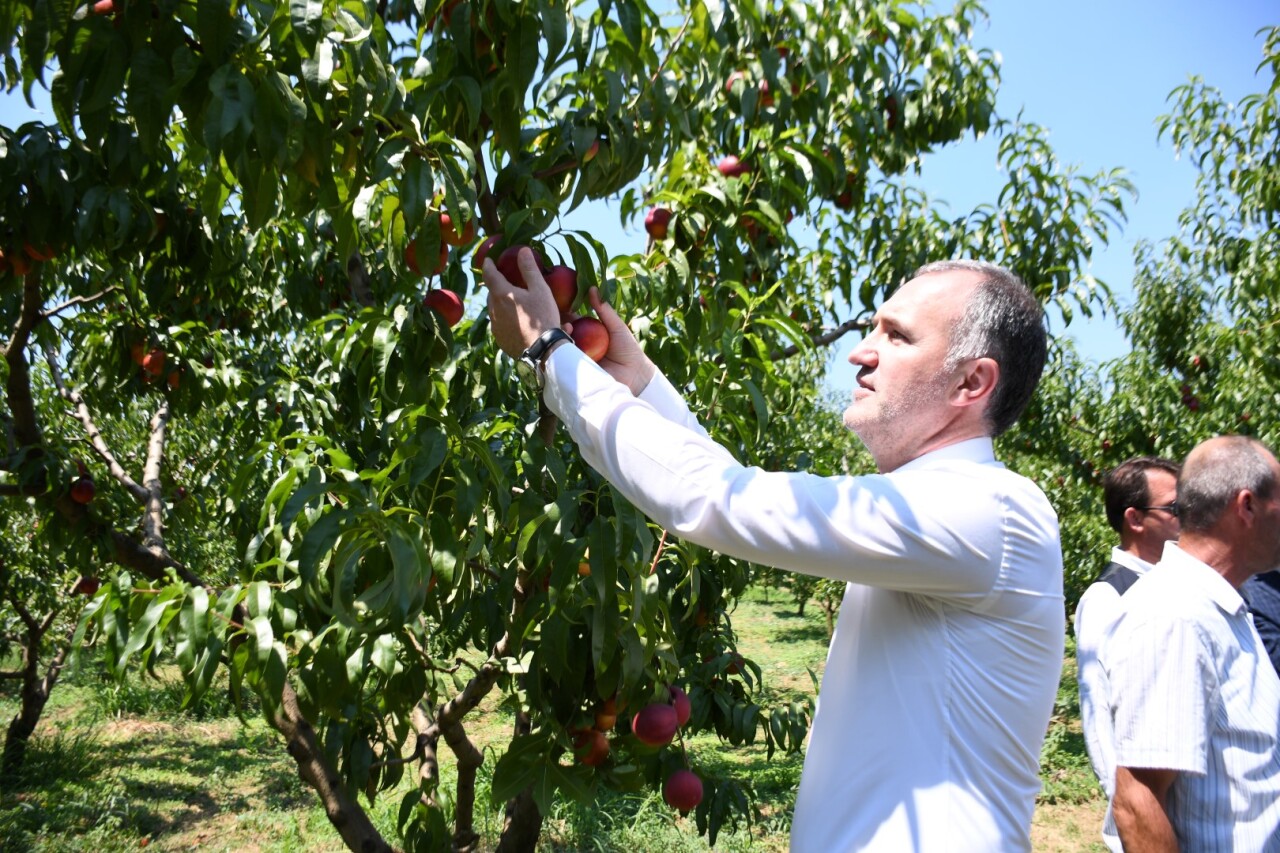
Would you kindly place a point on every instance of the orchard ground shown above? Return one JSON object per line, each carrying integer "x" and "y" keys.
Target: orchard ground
{"x": 118, "y": 767}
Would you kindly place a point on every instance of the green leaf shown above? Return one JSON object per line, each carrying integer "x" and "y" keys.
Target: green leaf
{"x": 306, "y": 17}
{"x": 263, "y": 637}
{"x": 524, "y": 764}
{"x": 319, "y": 541}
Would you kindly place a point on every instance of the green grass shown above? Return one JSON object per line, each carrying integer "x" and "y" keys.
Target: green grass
{"x": 113, "y": 767}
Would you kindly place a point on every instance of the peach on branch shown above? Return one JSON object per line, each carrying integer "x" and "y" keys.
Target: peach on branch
{"x": 680, "y": 701}
{"x": 682, "y": 790}
{"x": 411, "y": 259}
{"x": 607, "y": 715}
{"x": 590, "y": 747}
{"x": 446, "y": 303}
{"x": 563, "y": 282}
{"x": 452, "y": 235}
{"x": 477, "y": 260}
{"x": 153, "y": 362}
{"x": 591, "y": 336}
{"x": 87, "y": 586}
{"x": 657, "y": 222}
{"x": 655, "y": 724}
{"x": 509, "y": 265}
{"x": 732, "y": 167}
{"x": 82, "y": 490}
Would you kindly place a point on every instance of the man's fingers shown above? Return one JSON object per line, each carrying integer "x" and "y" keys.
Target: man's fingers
{"x": 529, "y": 268}
{"x": 494, "y": 280}
{"x": 605, "y": 311}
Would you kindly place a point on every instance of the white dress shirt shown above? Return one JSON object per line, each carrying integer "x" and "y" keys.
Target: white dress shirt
{"x": 944, "y": 666}
{"x": 1096, "y": 615}
{"x": 1192, "y": 690}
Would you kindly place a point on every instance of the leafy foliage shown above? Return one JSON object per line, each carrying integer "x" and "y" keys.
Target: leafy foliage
{"x": 309, "y": 479}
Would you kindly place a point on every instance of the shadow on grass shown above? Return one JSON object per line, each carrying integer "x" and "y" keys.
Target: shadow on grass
{"x": 160, "y": 780}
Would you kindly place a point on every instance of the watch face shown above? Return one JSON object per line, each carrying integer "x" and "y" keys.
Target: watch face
{"x": 527, "y": 373}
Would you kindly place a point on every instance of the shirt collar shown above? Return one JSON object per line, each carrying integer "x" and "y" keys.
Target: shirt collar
{"x": 980, "y": 449}
{"x": 1204, "y": 578}
{"x": 1129, "y": 561}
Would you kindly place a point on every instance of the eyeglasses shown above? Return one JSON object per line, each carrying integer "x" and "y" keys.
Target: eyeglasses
{"x": 1172, "y": 508}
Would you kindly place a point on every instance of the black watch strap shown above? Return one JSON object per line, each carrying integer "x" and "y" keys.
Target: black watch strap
{"x": 545, "y": 341}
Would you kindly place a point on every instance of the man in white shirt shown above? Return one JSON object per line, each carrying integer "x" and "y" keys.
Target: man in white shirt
{"x": 944, "y": 665}
{"x": 1195, "y": 702}
{"x": 1140, "y": 496}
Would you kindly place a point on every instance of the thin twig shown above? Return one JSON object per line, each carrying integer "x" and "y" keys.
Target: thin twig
{"x": 77, "y": 300}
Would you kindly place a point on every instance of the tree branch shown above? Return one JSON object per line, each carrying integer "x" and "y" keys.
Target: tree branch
{"x": 77, "y": 300}
{"x": 26, "y": 428}
{"x": 828, "y": 337}
{"x": 153, "y": 519}
{"x": 86, "y": 419}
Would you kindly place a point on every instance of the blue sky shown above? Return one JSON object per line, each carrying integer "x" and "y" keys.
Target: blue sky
{"x": 1096, "y": 73}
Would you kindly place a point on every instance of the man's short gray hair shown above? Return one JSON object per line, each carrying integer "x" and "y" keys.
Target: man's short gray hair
{"x": 1213, "y": 477}
{"x": 1002, "y": 321}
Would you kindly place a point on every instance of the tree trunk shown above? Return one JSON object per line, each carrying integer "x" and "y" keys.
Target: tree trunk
{"x": 522, "y": 826}
{"x": 343, "y": 811}
{"x": 35, "y": 695}
{"x": 20, "y": 730}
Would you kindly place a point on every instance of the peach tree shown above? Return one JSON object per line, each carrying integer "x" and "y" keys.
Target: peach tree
{"x": 231, "y": 266}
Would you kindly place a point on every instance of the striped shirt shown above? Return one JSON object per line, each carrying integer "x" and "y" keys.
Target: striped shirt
{"x": 1192, "y": 690}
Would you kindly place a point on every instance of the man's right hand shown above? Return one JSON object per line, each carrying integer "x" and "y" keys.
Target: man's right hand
{"x": 624, "y": 361}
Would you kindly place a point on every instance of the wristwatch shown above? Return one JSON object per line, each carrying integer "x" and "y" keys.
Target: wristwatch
{"x": 530, "y": 363}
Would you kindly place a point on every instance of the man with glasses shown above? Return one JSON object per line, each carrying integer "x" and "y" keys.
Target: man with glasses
{"x": 1140, "y": 498}
{"x": 1194, "y": 701}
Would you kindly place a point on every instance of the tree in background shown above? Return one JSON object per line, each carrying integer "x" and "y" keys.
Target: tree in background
{"x": 234, "y": 265}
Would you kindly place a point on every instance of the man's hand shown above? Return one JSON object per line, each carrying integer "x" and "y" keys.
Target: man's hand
{"x": 517, "y": 315}
{"x": 624, "y": 361}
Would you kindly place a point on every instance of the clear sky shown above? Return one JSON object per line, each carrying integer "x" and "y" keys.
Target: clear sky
{"x": 1096, "y": 73}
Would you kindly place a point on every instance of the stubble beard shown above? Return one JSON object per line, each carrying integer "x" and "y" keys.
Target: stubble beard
{"x": 886, "y": 430}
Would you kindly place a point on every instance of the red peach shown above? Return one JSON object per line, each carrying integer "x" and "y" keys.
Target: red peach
{"x": 682, "y": 790}
{"x": 446, "y": 303}
{"x": 655, "y": 724}
{"x": 591, "y": 337}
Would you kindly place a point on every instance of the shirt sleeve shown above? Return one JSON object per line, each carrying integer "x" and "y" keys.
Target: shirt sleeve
{"x": 668, "y": 402}
{"x": 930, "y": 532}
{"x": 1095, "y": 617}
{"x": 1161, "y": 683}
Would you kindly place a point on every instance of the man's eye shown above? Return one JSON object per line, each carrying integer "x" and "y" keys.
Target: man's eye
{"x": 895, "y": 335}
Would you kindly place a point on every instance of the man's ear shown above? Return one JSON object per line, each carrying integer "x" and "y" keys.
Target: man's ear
{"x": 976, "y": 381}
{"x": 1133, "y": 519}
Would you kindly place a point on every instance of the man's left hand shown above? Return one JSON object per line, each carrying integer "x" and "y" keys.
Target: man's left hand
{"x": 517, "y": 315}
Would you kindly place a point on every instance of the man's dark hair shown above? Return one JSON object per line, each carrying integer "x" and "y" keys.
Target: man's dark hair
{"x": 1215, "y": 476}
{"x": 1002, "y": 321}
{"x": 1126, "y": 485}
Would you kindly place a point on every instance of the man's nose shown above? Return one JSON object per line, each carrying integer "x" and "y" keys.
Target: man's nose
{"x": 863, "y": 354}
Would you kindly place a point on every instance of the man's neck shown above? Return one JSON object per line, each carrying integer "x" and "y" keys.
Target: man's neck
{"x": 1217, "y": 555}
{"x": 1144, "y": 551}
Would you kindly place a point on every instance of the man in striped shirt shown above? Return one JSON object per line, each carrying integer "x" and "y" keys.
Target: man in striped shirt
{"x": 1194, "y": 699}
